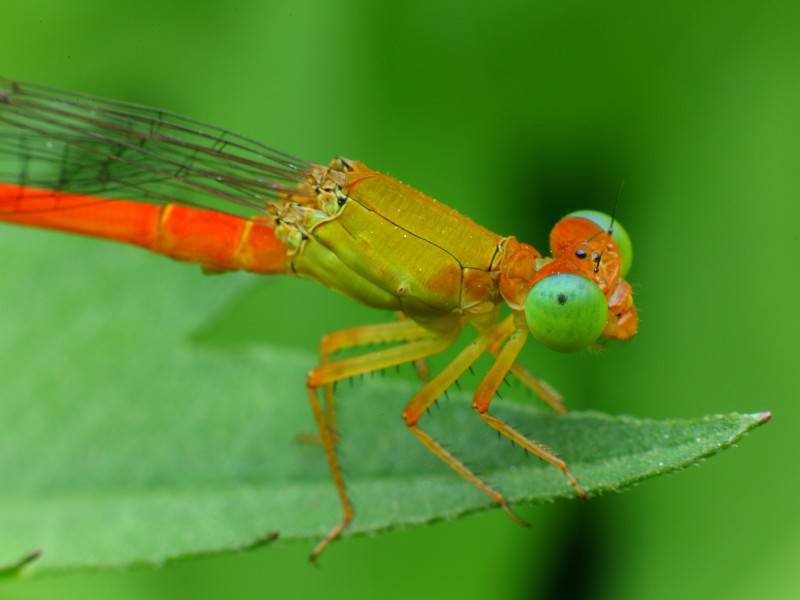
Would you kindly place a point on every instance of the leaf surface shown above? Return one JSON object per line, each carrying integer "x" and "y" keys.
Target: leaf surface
{"x": 123, "y": 443}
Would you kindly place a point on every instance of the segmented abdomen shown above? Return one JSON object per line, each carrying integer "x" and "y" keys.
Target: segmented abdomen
{"x": 217, "y": 241}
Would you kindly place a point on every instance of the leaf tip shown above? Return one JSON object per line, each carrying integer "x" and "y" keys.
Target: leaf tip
{"x": 763, "y": 417}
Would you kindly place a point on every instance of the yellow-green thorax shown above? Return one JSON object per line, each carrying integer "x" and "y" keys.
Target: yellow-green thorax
{"x": 389, "y": 246}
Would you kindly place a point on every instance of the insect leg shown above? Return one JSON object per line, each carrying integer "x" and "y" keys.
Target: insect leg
{"x": 541, "y": 388}
{"x": 420, "y": 366}
{"x": 361, "y": 336}
{"x": 427, "y": 395}
{"x": 488, "y": 387}
{"x": 349, "y": 367}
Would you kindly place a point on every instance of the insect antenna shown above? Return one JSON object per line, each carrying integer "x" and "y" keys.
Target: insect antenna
{"x": 598, "y": 259}
{"x": 616, "y": 204}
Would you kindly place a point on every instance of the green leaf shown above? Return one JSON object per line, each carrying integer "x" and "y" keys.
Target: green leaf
{"x": 123, "y": 443}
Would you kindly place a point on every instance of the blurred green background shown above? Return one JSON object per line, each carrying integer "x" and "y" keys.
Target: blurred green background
{"x": 515, "y": 113}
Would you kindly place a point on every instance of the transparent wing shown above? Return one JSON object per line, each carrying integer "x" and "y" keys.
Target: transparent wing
{"x": 80, "y": 144}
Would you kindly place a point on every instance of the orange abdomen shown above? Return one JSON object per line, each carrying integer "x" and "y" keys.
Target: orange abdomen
{"x": 217, "y": 241}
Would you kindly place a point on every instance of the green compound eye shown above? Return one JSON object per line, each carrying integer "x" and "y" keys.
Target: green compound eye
{"x": 566, "y": 312}
{"x": 619, "y": 235}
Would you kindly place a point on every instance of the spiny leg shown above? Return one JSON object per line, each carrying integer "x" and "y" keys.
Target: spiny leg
{"x": 352, "y": 337}
{"x": 349, "y": 367}
{"x": 539, "y": 387}
{"x": 420, "y": 365}
{"x": 427, "y": 395}
{"x": 488, "y": 387}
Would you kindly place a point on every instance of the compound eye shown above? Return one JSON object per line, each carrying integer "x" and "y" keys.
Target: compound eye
{"x": 619, "y": 235}
{"x": 566, "y": 312}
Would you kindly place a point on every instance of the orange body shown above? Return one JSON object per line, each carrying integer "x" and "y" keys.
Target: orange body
{"x": 217, "y": 241}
